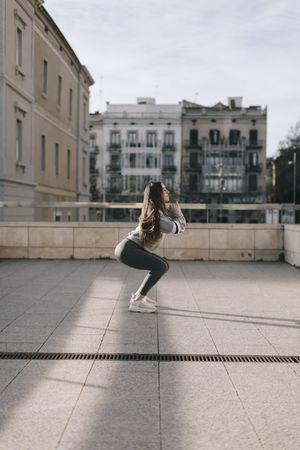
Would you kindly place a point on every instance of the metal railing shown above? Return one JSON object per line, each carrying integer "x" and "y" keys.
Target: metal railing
{"x": 195, "y": 212}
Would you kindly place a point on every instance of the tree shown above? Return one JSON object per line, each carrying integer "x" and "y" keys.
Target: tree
{"x": 291, "y": 141}
{"x": 288, "y": 167}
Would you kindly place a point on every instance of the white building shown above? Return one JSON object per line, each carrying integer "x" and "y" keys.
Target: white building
{"x": 141, "y": 141}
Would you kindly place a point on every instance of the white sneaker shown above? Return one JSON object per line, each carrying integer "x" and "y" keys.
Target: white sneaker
{"x": 141, "y": 306}
{"x": 149, "y": 300}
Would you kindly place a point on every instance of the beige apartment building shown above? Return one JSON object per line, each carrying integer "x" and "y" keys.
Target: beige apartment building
{"x": 223, "y": 152}
{"x": 44, "y": 143}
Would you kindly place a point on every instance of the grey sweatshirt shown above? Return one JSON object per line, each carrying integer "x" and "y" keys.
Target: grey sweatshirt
{"x": 175, "y": 224}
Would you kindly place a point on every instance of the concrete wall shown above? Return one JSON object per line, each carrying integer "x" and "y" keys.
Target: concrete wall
{"x": 219, "y": 242}
{"x": 292, "y": 244}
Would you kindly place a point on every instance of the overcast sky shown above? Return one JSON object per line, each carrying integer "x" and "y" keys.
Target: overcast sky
{"x": 199, "y": 50}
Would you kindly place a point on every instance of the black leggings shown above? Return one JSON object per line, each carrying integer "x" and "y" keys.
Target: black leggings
{"x": 133, "y": 255}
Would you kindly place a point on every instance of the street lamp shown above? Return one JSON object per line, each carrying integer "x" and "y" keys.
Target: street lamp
{"x": 294, "y": 162}
{"x": 222, "y": 189}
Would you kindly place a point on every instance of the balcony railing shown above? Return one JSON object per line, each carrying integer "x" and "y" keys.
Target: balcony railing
{"x": 193, "y": 167}
{"x": 94, "y": 149}
{"x": 169, "y": 147}
{"x": 112, "y": 146}
{"x": 113, "y": 168}
{"x": 193, "y": 144}
{"x": 258, "y": 144}
{"x": 254, "y": 168}
{"x": 172, "y": 169}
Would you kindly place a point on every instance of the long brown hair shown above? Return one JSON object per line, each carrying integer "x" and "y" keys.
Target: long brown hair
{"x": 149, "y": 219}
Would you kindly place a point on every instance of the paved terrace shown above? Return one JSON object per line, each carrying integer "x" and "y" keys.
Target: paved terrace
{"x": 248, "y": 308}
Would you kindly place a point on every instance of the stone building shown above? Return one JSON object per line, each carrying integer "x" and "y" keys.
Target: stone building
{"x": 141, "y": 141}
{"x": 44, "y": 95}
{"x": 223, "y": 152}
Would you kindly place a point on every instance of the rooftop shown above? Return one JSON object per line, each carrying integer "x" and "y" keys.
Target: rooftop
{"x": 205, "y": 308}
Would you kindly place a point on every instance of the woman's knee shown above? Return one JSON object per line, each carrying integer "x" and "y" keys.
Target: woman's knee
{"x": 163, "y": 267}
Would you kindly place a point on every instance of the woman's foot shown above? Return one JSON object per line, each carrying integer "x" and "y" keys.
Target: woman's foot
{"x": 135, "y": 297}
{"x": 141, "y": 305}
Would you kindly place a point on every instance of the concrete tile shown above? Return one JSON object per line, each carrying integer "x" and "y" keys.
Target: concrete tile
{"x": 37, "y": 430}
{"x": 105, "y": 414}
{"x": 13, "y": 236}
{"x": 206, "y": 424}
{"x": 200, "y": 409}
{"x": 66, "y": 343}
{"x": 16, "y": 334}
{"x": 9, "y": 369}
{"x": 278, "y": 426}
{"x": 123, "y": 347}
{"x": 20, "y": 346}
{"x": 263, "y": 382}
{"x": 99, "y": 237}
{"x": 51, "y": 237}
{"x": 43, "y": 386}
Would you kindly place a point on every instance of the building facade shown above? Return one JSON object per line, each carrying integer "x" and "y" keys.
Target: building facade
{"x": 223, "y": 152}
{"x": 44, "y": 114}
{"x": 140, "y": 142}
{"x": 95, "y": 156}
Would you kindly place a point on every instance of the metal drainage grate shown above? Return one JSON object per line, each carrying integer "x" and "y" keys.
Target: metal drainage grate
{"x": 152, "y": 357}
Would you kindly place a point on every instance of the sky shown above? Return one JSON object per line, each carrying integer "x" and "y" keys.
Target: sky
{"x": 199, "y": 50}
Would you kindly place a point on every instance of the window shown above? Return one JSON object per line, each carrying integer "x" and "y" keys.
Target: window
{"x": 151, "y": 139}
{"x": 253, "y": 137}
{"x": 169, "y": 182}
{"x": 56, "y": 159}
{"x": 132, "y": 183}
{"x": 168, "y": 161}
{"x": 19, "y": 139}
{"x": 59, "y": 90}
{"x": 68, "y": 164}
{"x": 234, "y": 137}
{"x": 253, "y": 159}
{"x": 70, "y": 102}
{"x": 193, "y": 137}
{"x": 84, "y": 114}
{"x": 83, "y": 171}
{"x": 92, "y": 141}
{"x": 252, "y": 182}
{"x": 43, "y": 153}
{"x": 45, "y": 77}
{"x": 132, "y": 139}
{"x": 214, "y": 137}
{"x": 169, "y": 139}
{"x": 194, "y": 160}
{"x": 115, "y": 139}
{"x": 193, "y": 182}
{"x": 19, "y": 47}
{"x": 58, "y": 216}
{"x": 132, "y": 160}
{"x": 115, "y": 162}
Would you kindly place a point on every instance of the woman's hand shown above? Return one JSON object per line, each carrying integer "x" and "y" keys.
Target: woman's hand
{"x": 174, "y": 208}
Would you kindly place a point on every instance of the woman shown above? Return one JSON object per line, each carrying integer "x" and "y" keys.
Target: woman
{"x": 136, "y": 250}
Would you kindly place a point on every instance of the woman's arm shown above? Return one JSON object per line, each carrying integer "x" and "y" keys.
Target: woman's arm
{"x": 174, "y": 223}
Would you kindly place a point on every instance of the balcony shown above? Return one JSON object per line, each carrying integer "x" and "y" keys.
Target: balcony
{"x": 114, "y": 147}
{"x": 224, "y": 144}
{"x": 94, "y": 149}
{"x": 257, "y": 145}
{"x": 197, "y": 145}
{"x": 169, "y": 169}
{"x": 113, "y": 168}
{"x": 168, "y": 147}
{"x": 254, "y": 168}
{"x": 193, "y": 167}
{"x": 133, "y": 144}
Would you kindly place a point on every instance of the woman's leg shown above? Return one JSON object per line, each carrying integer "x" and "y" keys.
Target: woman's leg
{"x": 137, "y": 257}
